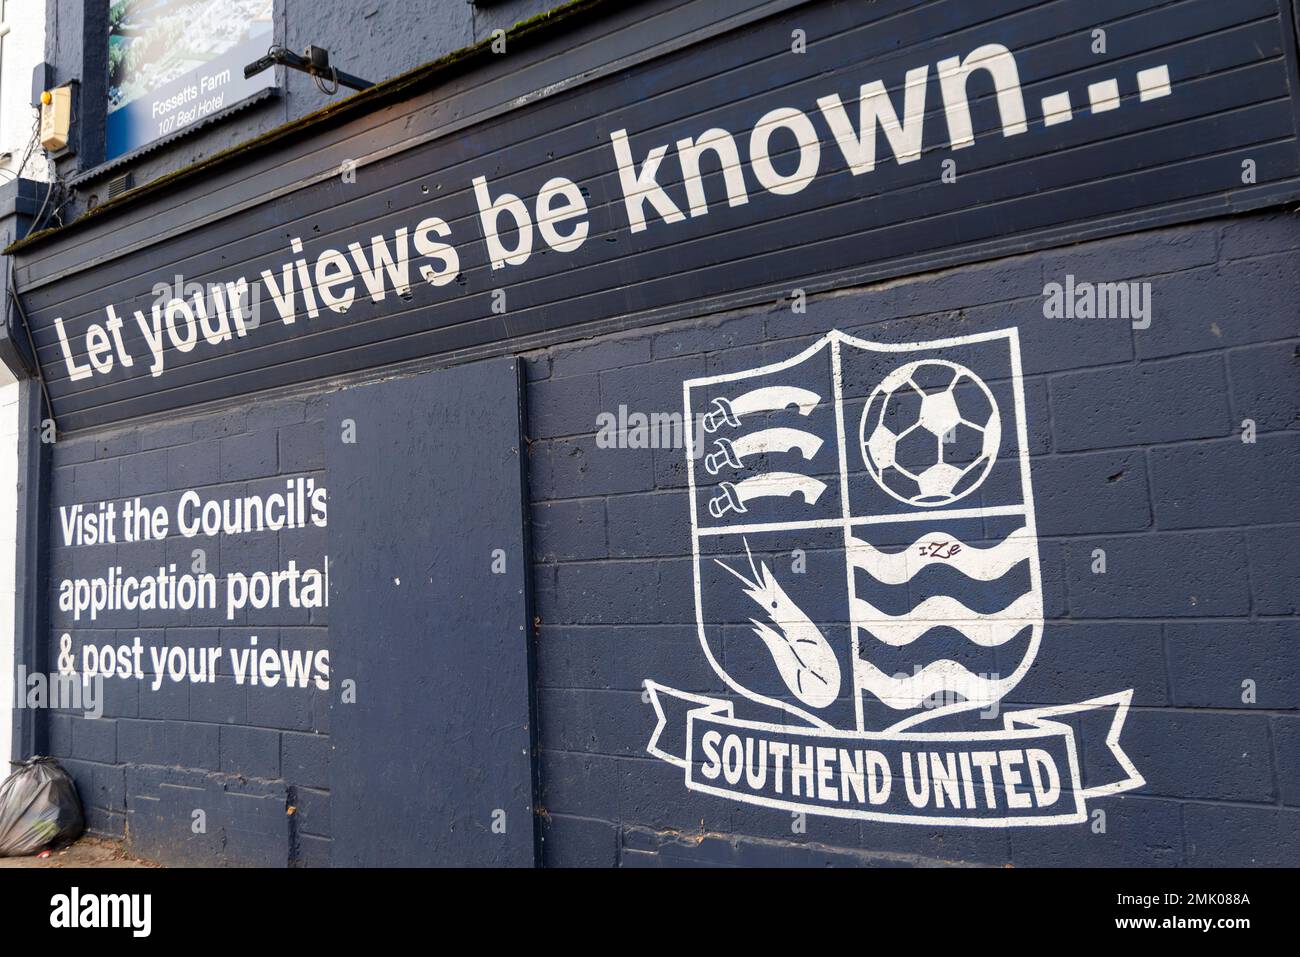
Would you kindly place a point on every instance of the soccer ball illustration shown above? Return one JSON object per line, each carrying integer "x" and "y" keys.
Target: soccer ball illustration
{"x": 930, "y": 432}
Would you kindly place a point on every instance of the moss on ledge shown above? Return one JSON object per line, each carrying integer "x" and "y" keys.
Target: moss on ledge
{"x": 404, "y": 85}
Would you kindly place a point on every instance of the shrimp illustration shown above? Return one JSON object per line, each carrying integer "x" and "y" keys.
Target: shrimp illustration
{"x": 803, "y": 656}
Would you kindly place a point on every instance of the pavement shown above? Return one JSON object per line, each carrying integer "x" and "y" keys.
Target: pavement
{"x": 87, "y": 852}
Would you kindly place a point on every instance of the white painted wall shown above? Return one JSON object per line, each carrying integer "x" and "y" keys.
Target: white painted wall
{"x": 20, "y": 51}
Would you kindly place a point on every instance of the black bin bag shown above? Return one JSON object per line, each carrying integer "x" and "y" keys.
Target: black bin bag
{"x": 39, "y": 808}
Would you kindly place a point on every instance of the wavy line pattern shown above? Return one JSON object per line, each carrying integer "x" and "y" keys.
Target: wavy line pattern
{"x": 938, "y": 643}
{"x": 945, "y": 676}
{"x": 987, "y": 631}
{"x": 981, "y": 564}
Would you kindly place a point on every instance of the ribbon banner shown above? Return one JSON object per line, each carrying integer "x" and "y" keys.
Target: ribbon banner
{"x": 1028, "y": 772}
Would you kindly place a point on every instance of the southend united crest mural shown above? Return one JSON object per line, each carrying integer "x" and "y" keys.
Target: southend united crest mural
{"x": 867, "y": 585}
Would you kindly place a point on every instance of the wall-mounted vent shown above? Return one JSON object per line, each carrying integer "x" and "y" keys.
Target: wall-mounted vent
{"x": 119, "y": 185}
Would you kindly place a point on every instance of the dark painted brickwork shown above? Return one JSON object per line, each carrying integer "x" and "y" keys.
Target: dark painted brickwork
{"x": 1136, "y": 449}
{"x": 1135, "y": 439}
{"x": 242, "y": 755}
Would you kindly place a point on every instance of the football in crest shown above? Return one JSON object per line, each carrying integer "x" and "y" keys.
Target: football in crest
{"x": 930, "y": 432}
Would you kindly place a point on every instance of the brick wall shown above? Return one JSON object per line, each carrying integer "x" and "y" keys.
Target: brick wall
{"x": 242, "y": 755}
{"x": 1136, "y": 449}
{"x": 1135, "y": 440}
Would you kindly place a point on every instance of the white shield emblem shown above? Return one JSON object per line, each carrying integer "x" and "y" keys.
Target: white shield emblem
{"x": 866, "y": 562}
{"x": 863, "y": 529}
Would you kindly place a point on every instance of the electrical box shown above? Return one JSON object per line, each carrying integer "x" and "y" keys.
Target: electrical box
{"x": 56, "y": 118}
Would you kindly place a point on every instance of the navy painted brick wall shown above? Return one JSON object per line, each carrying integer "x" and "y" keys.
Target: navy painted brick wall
{"x": 1135, "y": 439}
{"x": 1136, "y": 449}
{"x": 242, "y": 755}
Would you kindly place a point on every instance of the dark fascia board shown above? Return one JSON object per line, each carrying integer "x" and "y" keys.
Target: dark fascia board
{"x": 15, "y": 354}
{"x": 402, "y": 86}
{"x": 588, "y": 50}
{"x": 19, "y": 202}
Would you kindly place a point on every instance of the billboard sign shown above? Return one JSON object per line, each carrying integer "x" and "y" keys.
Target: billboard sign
{"x": 172, "y": 63}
